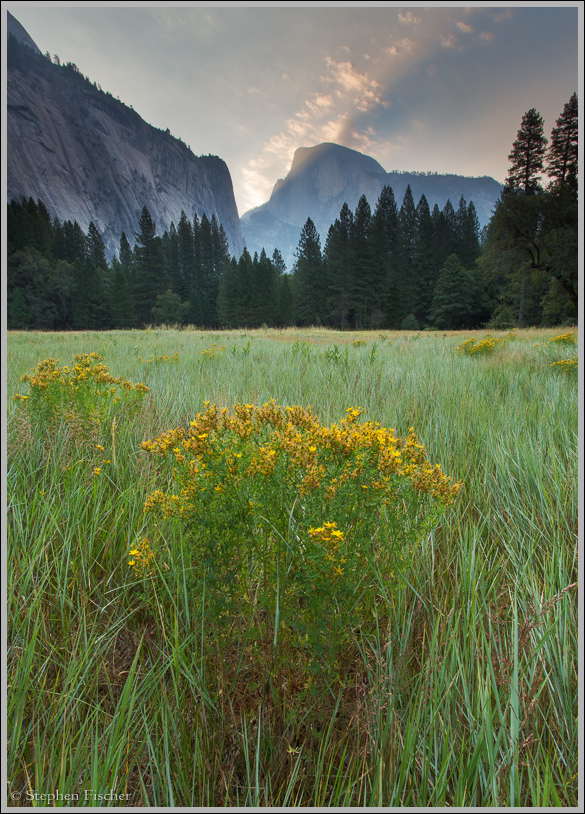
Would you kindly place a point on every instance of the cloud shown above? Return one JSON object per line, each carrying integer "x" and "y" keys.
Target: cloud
{"x": 364, "y": 90}
{"x": 326, "y": 115}
{"x": 504, "y": 15}
{"x": 408, "y": 17}
{"x": 449, "y": 42}
{"x": 486, "y": 36}
{"x": 403, "y": 46}
{"x": 467, "y": 29}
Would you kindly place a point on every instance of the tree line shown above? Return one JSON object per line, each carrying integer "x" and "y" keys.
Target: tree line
{"x": 406, "y": 267}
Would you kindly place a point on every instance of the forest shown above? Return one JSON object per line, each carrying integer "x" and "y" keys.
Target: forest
{"x": 396, "y": 267}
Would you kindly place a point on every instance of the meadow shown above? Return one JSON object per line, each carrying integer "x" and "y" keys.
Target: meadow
{"x": 148, "y": 665}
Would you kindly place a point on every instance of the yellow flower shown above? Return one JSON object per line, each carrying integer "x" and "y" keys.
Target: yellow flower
{"x": 97, "y": 470}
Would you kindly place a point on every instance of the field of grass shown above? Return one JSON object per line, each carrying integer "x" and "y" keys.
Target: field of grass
{"x": 460, "y": 689}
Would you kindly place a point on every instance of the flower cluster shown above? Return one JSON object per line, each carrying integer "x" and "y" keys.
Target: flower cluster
{"x": 567, "y": 338}
{"x": 485, "y": 346}
{"x": 85, "y": 372}
{"x": 330, "y": 539}
{"x": 212, "y": 352}
{"x": 254, "y": 491}
{"x": 142, "y": 558}
{"x": 568, "y": 365}
{"x": 84, "y": 400}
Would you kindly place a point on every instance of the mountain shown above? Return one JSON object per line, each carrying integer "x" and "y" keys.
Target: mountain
{"x": 89, "y": 157}
{"x": 324, "y": 177}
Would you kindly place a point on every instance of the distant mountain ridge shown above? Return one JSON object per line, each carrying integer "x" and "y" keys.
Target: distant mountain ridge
{"x": 322, "y": 178}
{"x": 89, "y": 157}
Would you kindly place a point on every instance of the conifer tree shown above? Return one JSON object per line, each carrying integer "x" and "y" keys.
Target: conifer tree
{"x": 366, "y": 283}
{"x": 563, "y": 153}
{"x": 527, "y": 156}
{"x": 286, "y": 309}
{"x": 423, "y": 265}
{"x": 452, "y": 305}
{"x": 385, "y": 243}
{"x": 278, "y": 262}
{"x": 308, "y": 272}
{"x": 339, "y": 269}
{"x": 405, "y": 254}
{"x": 186, "y": 257}
{"x": 150, "y": 277}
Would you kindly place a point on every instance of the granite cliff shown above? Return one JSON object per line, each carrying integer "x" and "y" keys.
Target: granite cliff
{"x": 324, "y": 177}
{"x": 88, "y": 156}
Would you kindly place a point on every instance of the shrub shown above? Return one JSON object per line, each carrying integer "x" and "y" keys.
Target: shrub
{"x": 81, "y": 398}
{"x": 298, "y": 526}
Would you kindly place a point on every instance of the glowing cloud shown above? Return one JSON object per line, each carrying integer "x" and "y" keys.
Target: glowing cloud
{"x": 467, "y": 29}
{"x": 408, "y": 17}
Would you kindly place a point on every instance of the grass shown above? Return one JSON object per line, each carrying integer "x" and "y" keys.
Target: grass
{"x": 461, "y": 692}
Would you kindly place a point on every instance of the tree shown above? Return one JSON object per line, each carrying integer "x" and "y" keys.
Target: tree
{"x": 150, "y": 278}
{"x": 452, "y": 306}
{"x": 367, "y": 285}
{"x": 533, "y": 234}
{"x": 563, "y": 153}
{"x": 169, "y": 309}
{"x": 406, "y": 253}
{"x": 308, "y": 272}
{"x": 339, "y": 268}
{"x": 527, "y": 156}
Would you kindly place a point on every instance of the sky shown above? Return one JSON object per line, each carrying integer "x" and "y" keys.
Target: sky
{"x": 425, "y": 87}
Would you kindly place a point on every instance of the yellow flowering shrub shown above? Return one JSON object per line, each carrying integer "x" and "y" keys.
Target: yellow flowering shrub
{"x": 83, "y": 401}
{"x": 85, "y": 386}
{"x": 567, "y": 365}
{"x": 485, "y": 346}
{"x": 568, "y": 338}
{"x": 277, "y": 510}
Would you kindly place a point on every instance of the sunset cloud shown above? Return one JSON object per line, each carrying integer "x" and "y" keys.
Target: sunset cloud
{"x": 403, "y": 46}
{"x": 408, "y": 17}
{"x": 467, "y": 29}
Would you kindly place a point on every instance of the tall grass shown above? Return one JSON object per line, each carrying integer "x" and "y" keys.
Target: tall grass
{"x": 461, "y": 692}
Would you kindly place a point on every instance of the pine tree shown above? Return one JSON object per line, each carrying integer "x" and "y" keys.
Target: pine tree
{"x": 285, "y": 313}
{"x": 207, "y": 294}
{"x": 93, "y": 283}
{"x": 227, "y": 310}
{"x": 563, "y": 153}
{"x": 186, "y": 257}
{"x": 405, "y": 254}
{"x": 385, "y": 244}
{"x": 121, "y": 299}
{"x": 527, "y": 156}
{"x": 366, "y": 289}
{"x": 339, "y": 269}
{"x": 452, "y": 305}
{"x": 150, "y": 277}
{"x": 423, "y": 268}
{"x": 308, "y": 272}
{"x": 278, "y": 262}
{"x": 170, "y": 242}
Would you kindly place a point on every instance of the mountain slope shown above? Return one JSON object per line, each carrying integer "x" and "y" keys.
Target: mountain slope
{"x": 324, "y": 177}
{"x": 88, "y": 156}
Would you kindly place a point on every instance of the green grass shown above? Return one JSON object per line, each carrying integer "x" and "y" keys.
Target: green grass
{"x": 463, "y": 690}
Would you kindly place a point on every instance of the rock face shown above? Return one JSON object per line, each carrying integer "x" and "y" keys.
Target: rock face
{"x": 323, "y": 178}
{"x": 88, "y": 156}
